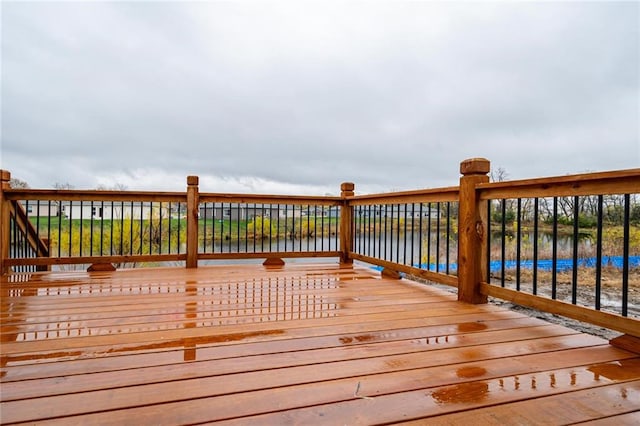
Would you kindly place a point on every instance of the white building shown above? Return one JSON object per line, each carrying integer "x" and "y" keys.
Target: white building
{"x": 114, "y": 210}
{"x": 40, "y": 208}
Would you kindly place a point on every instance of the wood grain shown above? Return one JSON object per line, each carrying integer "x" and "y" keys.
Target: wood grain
{"x": 302, "y": 343}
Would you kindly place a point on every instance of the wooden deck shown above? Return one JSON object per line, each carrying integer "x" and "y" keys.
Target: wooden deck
{"x": 304, "y": 344}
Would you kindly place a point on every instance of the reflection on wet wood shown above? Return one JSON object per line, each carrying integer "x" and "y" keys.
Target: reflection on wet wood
{"x": 304, "y": 344}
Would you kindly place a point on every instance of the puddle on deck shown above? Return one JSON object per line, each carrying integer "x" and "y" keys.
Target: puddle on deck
{"x": 536, "y": 383}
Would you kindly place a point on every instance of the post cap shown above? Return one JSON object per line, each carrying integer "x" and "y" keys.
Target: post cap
{"x": 347, "y": 186}
{"x": 475, "y": 166}
{"x": 5, "y": 175}
{"x": 192, "y": 180}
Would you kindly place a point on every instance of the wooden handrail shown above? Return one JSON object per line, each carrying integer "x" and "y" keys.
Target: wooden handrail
{"x": 88, "y": 195}
{"x": 416, "y": 196}
{"x": 269, "y": 199}
{"x": 606, "y": 183}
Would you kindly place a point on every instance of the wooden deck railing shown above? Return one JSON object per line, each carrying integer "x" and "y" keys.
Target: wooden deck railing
{"x": 129, "y": 228}
{"x": 412, "y": 232}
{"x": 594, "y": 276}
{"x": 500, "y": 239}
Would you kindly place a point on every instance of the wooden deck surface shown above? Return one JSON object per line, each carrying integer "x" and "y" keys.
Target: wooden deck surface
{"x": 304, "y": 344}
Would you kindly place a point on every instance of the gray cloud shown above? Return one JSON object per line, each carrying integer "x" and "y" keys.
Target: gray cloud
{"x": 281, "y": 96}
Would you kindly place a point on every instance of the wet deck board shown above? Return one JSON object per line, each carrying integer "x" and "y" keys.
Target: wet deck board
{"x": 303, "y": 344}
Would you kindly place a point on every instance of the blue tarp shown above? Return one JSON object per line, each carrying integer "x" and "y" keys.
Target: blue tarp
{"x": 545, "y": 264}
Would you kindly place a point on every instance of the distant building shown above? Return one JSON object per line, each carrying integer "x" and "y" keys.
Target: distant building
{"x": 400, "y": 211}
{"x": 109, "y": 210}
{"x": 40, "y": 209}
{"x": 220, "y": 211}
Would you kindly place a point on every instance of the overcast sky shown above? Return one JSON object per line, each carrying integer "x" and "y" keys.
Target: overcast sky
{"x": 282, "y": 97}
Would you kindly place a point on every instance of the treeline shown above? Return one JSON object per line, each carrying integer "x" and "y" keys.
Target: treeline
{"x": 565, "y": 208}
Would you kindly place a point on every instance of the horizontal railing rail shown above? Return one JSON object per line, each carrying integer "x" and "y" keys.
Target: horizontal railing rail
{"x": 414, "y": 232}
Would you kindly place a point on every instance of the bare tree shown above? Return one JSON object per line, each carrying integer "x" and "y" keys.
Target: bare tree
{"x": 499, "y": 174}
{"x": 62, "y": 186}
{"x": 18, "y": 184}
{"x": 114, "y": 187}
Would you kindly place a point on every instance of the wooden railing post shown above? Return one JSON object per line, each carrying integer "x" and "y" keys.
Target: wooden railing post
{"x": 192, "y": 221}
{"x": 472, "y": 230}
{"x": 346, "y": 215}
{"x": 5, "y": 223}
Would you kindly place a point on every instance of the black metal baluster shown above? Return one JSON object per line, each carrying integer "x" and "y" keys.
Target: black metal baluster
{"x": 574, "y": 263}
{"x": 246, "y": 227}
{"x": 37, "y": 221}
{"x": 518, "y": 241}
{"x": 131, "y": 230}
{"x": 315, "y": 228}
{"x": 238, "y": 215}
{"x": 413, "y": 233}
{"x": 308, "y": 227}
{"x": 503, "y": 240}
{"x": 13, "y": 248}
{"x": 625, "y": 256}
{"x": 535, "y": 245}
{"x": 141, "y": 228}
{"x": 429, "y": 237}
{"x": 357, "y": 239}
{"x": 81, "y": 229}
{"x": 378, "y": 214}
{"x": 420, "y": 238}
{"x": 448, "y": 237}
{"x": 404, "y": 254}
{"x": 438, "y": 238}
{"x": 170, "y": 226}
{"x": 60, "y": 228}
{"x": 598, "y": 283}
{"x": 278, "y": 229}
{"x": 554, "y": 251}
{"x": 262, "y": 228}
{"x": 398, "y": 219}
{"x": 254, "y": 227}
{"x": 488, "y": 241}
{"x": 101, "y": 227}
{"x": 214, "y": 220}
{"x": 270, "y": 226}
{"x": 286, "y": 225}
{"x": 49, "y": 225}
{"x": 229, "y": 237}
{"x": 111, "y": 232}
{"x": 204, "y": 227}
{"x": 150, "y": 227}
{"x": 371, "y": 233}
{"x": 386, "y": 237}
{"x": 71, "y": 228}
{"x": 301, "y": 226}
{"x": 179, "y": 224}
